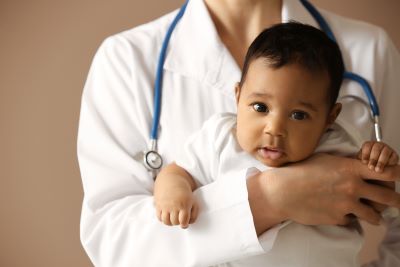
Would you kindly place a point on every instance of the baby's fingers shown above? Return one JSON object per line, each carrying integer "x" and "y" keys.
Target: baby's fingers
{"x": 365, "y": 152}
{"x": 165, "y": 218}
{"x": 383, "y": 159}
{"x": 174, "y": 217}
{"x": 194, "y": 213}
{"x": 374, "y": 155}
{"x": 184, "y": 217}
{"x": 158, "y": 213}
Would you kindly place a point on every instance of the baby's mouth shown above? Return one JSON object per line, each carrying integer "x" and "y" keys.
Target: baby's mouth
{"x": 271, "y": 153}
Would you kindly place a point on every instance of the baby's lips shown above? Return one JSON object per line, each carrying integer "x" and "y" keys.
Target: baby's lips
{"x": 271, "y": 153}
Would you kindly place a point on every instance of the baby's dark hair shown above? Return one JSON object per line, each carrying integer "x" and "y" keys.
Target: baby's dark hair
{"x": 293, "y": 42}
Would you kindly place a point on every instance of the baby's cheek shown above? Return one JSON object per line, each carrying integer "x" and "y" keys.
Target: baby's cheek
{"x": 243, "y": 140}
{"x": 302, "y": 149}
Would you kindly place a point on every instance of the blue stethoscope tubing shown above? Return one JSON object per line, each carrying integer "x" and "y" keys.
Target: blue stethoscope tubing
{"x": 347, "y": 74}
{"x": 159, "y": 73}
{"x": 153, "y": 160}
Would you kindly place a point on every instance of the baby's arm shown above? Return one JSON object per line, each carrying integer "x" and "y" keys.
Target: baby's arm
{"x": 377, "y": 155}
{"x": 173, "y": 196}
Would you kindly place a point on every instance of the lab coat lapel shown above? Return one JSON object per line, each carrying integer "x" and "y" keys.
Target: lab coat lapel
{"x": 196, "y": 51}
{"x": 195, "y": 47}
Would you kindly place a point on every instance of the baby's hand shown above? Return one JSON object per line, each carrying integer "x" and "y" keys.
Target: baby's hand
{"x": 377, "y": 155}
{"x": 176, "y": 206}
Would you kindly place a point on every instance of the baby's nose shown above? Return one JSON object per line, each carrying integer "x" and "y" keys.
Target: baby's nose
{"x": 275, "y": 126}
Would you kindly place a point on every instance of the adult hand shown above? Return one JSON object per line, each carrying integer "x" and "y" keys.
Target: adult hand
{"x": 323, "y": 189}
{"x": 378, "y": 206}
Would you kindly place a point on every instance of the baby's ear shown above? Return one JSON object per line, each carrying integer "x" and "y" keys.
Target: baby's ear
{"x": 237, "y": 92}
{"x": 333, "y": 114}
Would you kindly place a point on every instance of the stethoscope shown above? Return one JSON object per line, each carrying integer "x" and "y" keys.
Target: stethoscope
{"x": 153, "y": 160}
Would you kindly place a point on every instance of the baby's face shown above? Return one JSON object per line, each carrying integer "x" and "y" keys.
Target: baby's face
{"x": 282, "y": 113}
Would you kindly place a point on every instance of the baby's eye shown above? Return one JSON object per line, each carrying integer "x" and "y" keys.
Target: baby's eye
{"x": 299, "y": 115}
{"x": 260, "y": 107}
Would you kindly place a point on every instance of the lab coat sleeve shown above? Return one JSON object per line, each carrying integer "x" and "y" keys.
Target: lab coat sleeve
{"x": 118, "y": 222}
{"x": 389, "y": 80}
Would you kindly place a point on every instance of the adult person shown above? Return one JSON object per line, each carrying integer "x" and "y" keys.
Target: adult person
{"x": 207, "y": 48}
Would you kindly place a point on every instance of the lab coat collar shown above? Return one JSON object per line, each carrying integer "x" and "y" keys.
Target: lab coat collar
{"x": 196, "y": 50}
{"x": 293, "y": 10}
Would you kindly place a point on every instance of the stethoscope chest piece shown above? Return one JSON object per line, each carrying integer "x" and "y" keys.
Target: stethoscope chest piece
{"x": 152, "y": 160}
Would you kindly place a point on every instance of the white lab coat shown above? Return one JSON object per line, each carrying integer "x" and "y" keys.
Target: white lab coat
{"x": 118, "y": 224}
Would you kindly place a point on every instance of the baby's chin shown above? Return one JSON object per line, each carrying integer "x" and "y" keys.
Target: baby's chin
{"x": 273, "y": 162}
{"x": 280, "y": 162}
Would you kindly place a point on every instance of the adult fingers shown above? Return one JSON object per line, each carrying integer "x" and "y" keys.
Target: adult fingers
{"x": 345, "y": 220}
{"x": 394, "y": 159}
{"x": 376, "y": 206}
{"x": 391, "y": 173}
{"x": 366, "y": 213}
{"x": 380, "y": 194}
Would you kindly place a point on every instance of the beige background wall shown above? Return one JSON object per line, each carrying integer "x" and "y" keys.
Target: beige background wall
{"x": 46, "y": 47}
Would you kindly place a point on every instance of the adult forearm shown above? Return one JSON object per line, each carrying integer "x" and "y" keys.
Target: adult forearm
{"x": 265, "y": 215}
{"x": 322, "y": 190}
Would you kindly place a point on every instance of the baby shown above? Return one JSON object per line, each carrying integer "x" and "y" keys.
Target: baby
{"x": 286, "y": 103}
